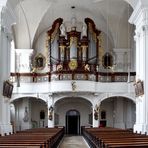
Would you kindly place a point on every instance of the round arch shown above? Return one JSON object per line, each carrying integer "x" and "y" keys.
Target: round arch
{"x": 81, "y": 97}
{"x": 36, "y": 96}
{"x": 29, "y": 112}
{"x": 29, "y": 97}
{"x": 73, "y": 112}
{"x": 132, "y": 98}
{"x": 119, "y": 112}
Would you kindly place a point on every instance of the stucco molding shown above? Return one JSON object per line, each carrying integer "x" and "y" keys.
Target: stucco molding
{"x": 139, "y": 16}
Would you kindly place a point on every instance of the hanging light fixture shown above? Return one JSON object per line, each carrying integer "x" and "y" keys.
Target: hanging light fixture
{"x": 109, "y": 58}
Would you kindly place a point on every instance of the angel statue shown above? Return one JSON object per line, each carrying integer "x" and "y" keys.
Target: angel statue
{"x": 63, "y": 30}
{"x": 84, "y": 30}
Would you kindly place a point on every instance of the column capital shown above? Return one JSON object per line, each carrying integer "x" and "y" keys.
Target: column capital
{"x": 139, "y": 15}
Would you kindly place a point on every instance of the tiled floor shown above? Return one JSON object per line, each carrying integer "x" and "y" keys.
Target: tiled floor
{"x": 73, "y": 142}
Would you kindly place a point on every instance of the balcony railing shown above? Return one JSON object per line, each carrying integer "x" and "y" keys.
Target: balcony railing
{"x": 71, "y": 75}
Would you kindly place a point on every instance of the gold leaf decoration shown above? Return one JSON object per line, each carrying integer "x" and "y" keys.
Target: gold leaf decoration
{"x": 73, "y": 64}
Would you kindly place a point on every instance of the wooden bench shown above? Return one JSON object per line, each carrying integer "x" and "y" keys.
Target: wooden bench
{"x": 111, "y": 137}
{"x": 33, "y": 138}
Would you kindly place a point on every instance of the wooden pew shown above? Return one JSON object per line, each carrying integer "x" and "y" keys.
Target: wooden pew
{"x": 33, "y": 138}
{"x": 111, "y": 137}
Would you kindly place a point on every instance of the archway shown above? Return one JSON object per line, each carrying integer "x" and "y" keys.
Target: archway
{"x": 73, "y": 122}
{"x": 73, "y": 109}
{"x": 29, "y": 112}
{"x": 118, "y": 112}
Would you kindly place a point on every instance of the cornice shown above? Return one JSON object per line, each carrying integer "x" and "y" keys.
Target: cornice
{"x": 140, "y": 12}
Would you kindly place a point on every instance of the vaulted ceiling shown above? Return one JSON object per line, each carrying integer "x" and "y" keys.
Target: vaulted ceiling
{"x": 37, "y": 16}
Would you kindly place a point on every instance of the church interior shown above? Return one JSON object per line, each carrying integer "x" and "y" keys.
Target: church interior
{"x": 70, "y": 64}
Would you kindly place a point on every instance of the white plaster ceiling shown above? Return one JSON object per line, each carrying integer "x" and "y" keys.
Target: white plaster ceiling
{"x": 36, "y": 16}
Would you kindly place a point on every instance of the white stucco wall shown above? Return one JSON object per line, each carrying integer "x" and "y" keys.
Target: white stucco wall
{"x": 36, "y": 107}
{"x": 83, "y": 107}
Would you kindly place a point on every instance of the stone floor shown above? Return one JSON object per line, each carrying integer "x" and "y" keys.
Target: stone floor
{"x": 73, "y": 142}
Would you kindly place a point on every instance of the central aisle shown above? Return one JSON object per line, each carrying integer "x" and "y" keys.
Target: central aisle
{"x": 73, "y": 142}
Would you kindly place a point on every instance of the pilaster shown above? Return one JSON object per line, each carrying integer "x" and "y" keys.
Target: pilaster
{"x": 119, "y": 118}
{"x": 140, "y": 19}
{"x": 5, "y": 39}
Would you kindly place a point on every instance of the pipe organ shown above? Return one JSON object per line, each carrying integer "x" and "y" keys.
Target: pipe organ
{"x": 73, "y": 47}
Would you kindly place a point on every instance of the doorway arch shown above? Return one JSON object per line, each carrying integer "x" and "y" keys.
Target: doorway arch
{"x": 72, "y": 122}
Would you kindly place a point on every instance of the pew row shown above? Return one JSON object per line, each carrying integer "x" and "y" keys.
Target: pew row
{"x": 33, "y": 138}
{"x": 112, "y": 137}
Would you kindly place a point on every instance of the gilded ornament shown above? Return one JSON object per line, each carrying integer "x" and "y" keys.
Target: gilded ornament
{"x": 73, "y": 64}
